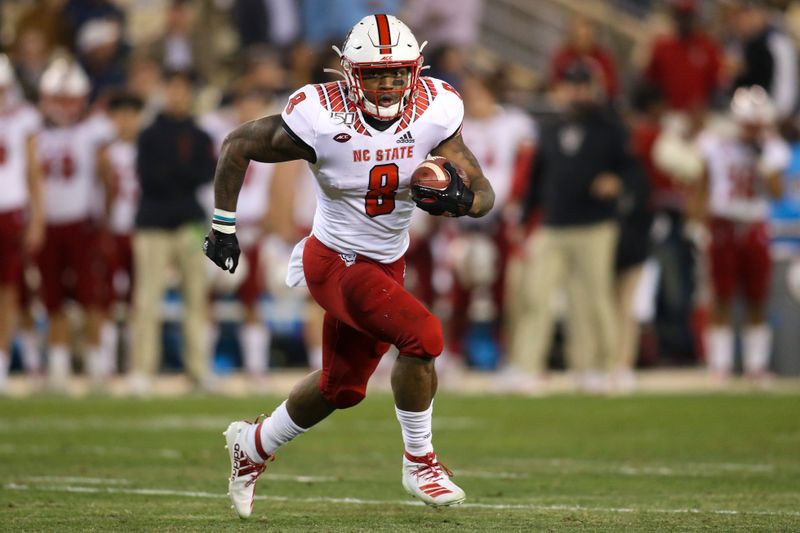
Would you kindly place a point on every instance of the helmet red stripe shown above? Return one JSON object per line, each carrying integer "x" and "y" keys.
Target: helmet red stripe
{"x": 384, "y": 36}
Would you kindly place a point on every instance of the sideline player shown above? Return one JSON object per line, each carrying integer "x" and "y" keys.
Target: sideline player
{"x": 742, "y": 173}
{"x": 363, "y": 137}
{"x": 21, "y": 216}
{"x": 68, "y": 154}
{"x": 253, "y": 212}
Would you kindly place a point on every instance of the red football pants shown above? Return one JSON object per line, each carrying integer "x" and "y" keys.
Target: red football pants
{"x": 366, "y": 310}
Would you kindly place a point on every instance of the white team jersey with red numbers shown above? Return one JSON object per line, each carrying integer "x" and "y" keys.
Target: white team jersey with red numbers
{"x": 254, "y": 196}
{"x": 496, "y": 142}
{"x": 68, "y": 156}
{"x": 736, "y": 174}
{"x": 364, "y": 202}
{"x": 17, "y": 124}
{"x": 122, "y": 157}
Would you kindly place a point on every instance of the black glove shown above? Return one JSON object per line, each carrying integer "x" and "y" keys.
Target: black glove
{"x": 455, "y": 201}
{"x": 223, "y": 249}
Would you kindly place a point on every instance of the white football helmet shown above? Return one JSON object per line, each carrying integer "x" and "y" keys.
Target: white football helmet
{"x": 6, "y": 72}
{"x": 752, "y": 105}
{"x": 64, "y": 78}
{"x": 64, "y": 88}
{"x": 380, "y": 42}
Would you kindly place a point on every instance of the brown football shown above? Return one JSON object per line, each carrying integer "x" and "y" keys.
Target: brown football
{"x": 431, "y": 173}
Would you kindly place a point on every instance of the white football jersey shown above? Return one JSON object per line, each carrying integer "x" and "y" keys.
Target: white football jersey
{"x": 496, "y": 142}
{"x": 364, "y": 201}
{"x": 68, "y": 156}
{"x": 17, "y": 124}
{"x": 254, "y": 196}
{"x": 736, "y": 173}
{"x": 122, "y": 157}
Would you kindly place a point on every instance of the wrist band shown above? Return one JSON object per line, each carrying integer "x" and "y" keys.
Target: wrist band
{"x": 224, "y": 221}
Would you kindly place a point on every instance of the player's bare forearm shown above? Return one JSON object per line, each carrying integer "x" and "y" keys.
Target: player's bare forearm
{"x": 456, "y": 151}
{"x": 262, "y": 140}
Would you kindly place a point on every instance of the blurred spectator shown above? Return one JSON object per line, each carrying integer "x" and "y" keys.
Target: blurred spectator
{"x": 103, "y": 54}
{"x": 68, "y": 148}
{"x": 448, "y": 63}
{"x": 46, "y": 18}
{"x": 175, "y": 157}
{"x": 578, "y": 175}
{"x": 742, "y": 172}
{"x": 30, "y": 56}
{"x": 181, "y": 46}
{"x": 302, "y": 63}
{"x": 145, "y": 82}
{"x": 768, "y": 57}
{"x": 117, "y": 165}
{"x": 685, "y": 65}
{"x": 79, "y": 12}
{"x": 264, "y": 71}
{"x": 636, "y": 218}
{"x": 443, "y": 24}
{"x": 581, "y": 45}
{"x": 331, "y": 20}
{"x": 271, "y": 22}
{"x": 502, "y": 139}
{"x": 21, "y": 209}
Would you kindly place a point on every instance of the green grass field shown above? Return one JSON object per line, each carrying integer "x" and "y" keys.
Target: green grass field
{"x": 641, "y": 463}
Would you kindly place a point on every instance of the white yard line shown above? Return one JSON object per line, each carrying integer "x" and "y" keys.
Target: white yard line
{"x": 414, "y": 503}
{"x": 79, "y": 479}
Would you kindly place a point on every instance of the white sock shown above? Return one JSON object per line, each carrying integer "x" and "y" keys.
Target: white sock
{"x": 255, "y": 340}
{"x": 58, "y": 363}
{"x": 31, "y": 353}
{"x": 95, "y": 363}
{"x": 720, "y": 349}
{"x": 109, "y": 341}
{"x": 276, "y": 431}
{"x": 5, "y": 363}
{"x": 315, "y": 358}
{"x": 417, "y": 432}
{"x": 757, "y": 348}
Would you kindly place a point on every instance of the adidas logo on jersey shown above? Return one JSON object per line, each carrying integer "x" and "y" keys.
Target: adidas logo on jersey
{"x": 406, "y": 138}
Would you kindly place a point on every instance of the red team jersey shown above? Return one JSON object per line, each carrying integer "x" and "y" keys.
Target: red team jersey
{"x": 739, "y": 207}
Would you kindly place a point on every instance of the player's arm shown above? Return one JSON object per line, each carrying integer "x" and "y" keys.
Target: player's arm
{"x": 108, "y": 181}
{"x": 264, "y": 140}
{"x": 34, "y": 235}
{"x": 456, "y": 151}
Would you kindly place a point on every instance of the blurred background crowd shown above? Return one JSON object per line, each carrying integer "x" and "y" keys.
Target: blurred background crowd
{"x": 644, "y": 154}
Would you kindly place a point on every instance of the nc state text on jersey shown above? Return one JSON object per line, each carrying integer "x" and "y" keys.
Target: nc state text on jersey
{"x": 383, "y": 154}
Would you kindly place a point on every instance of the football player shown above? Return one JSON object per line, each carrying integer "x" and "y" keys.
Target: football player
{"x": 503, "y": 139}
{"x": 117, "y": 168}
{"x": 363, "y": 136}
{"x": 68, "y": 147}
{"x": 21, "y": 215}
{"x": 742, "y": 172}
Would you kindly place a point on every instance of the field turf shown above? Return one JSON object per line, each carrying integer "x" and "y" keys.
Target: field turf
{"x": 563, "y": 463}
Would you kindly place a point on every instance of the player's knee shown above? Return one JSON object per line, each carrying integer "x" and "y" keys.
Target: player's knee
{"x": 345, "y": 397}
{"x": 427, "y": 339}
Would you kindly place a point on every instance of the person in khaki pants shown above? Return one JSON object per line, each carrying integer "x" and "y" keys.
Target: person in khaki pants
{"x": 174, "y": 158}
{"x": 578, "y": 174}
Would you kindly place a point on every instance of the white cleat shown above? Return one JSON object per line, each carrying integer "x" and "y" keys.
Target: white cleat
{"x": 244, "y": 471}
{"x": 429, "y": 480}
